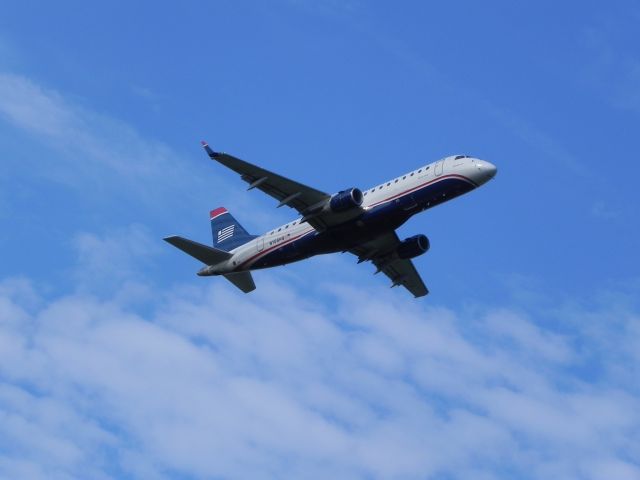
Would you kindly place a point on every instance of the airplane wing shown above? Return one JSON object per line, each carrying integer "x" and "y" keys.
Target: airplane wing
{"x": 286, "y": 191}
{"x": 401, "y": 272}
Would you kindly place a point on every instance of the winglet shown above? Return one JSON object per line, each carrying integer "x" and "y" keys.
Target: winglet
{"x": 207, "y": 149}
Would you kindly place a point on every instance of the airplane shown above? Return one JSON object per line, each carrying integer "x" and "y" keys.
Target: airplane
{"x": 362, "y": 223}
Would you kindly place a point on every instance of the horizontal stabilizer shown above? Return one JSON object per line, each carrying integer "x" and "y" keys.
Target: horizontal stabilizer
{"x": 242, "y": 280}
{"x": 207, "y": 255}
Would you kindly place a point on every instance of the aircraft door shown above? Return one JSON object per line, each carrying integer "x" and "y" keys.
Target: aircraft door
{"x": 260, "y": 244}
{"x": 439, "y": 168}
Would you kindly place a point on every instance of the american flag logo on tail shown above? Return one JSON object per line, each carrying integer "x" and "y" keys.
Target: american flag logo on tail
{"x": 226, "y": 232}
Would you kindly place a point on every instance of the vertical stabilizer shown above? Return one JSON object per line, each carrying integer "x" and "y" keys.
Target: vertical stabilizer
{"x": 227, "y": 232}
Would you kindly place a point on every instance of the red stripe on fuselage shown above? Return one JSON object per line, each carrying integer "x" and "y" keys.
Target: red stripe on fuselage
{"x": 256, "y": 257}
{"x": 453, "y": 175}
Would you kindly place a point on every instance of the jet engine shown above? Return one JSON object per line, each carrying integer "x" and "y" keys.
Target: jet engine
{"x": 346, "y": 200}
{"x": 413, "y": 246}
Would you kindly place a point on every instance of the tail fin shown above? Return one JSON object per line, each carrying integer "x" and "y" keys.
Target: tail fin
{"x": 227, "y": 232}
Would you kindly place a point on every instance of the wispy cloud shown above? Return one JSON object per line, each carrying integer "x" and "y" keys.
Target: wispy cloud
{"x": 614, "y": 69}
{"x": 107, "y": 159}
{"x": 216, "y": 383}
{"x": 97, "y": 152}
{"x": 604, "y": 211}
{"x": 517, "y": 123}
{"x": 119, "y": 255}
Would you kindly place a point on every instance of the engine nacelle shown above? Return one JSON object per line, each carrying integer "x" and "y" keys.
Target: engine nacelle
{"x": 346, "y": 200}
{"x": 413, "y": 246}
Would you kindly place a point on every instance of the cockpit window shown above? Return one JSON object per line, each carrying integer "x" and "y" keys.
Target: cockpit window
{"x": 458, "y": 157}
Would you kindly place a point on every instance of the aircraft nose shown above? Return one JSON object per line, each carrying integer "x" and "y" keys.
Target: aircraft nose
{"x": 485, "y": 170}
{"x": 490, "y": 169}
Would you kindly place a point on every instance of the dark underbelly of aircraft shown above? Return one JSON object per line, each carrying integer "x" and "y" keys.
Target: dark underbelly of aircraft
{"x": 380, "y": 219}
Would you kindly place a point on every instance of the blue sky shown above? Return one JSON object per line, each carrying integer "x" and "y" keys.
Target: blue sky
{"x": 116, "y": 361}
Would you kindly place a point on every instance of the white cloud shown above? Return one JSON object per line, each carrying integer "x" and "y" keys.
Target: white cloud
{"x": 96, "y": 153}
{"x": 349, "y": 385}
{"x": 107, "y": 160}
{"x": 341, "y": 383}
{"x": 114, "y": 257}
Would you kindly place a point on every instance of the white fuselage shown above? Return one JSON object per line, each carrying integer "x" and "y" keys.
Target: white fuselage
{"x": 470, "y": 169}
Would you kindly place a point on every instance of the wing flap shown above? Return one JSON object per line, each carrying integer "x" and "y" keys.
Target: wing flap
{"x": 308, "y": 201}
{"x": 404, "y": 273}
{"x": 288, "y": 192}
{"x": 401, "y": 272}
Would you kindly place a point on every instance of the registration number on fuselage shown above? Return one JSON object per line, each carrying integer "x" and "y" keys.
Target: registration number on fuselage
{"x": 277, "y": 240}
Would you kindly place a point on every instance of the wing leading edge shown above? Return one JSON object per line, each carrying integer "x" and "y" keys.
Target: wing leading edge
{"x": 288, "y": 192}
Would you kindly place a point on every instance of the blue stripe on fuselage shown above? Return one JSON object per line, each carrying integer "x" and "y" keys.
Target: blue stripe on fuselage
{"x": 384, "y": 217}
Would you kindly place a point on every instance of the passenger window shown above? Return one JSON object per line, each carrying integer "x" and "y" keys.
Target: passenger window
{"x": 364, "y": 194}
{"x": 404, "y": 178}
{"x": 279, "y": 229}
{"x": 411, "y": 174}
{"x": 396, "y": 181}
{"x": 388, "y": 184}
{"x": 426, "y": 169}
{"x": 286, "y": 226}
